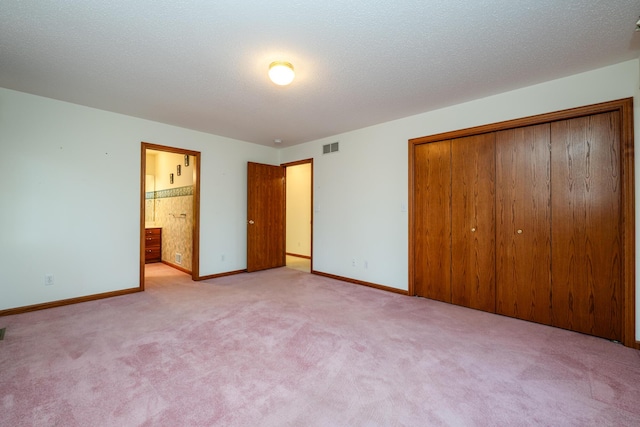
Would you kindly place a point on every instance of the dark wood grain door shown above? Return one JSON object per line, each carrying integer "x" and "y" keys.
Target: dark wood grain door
{"x": 432, "y": 207}
{"x": 265, "y": 216}
{"x": 473, "y": 221}
{"x": 586, "y": 225}
{"x": 523, "y": 223}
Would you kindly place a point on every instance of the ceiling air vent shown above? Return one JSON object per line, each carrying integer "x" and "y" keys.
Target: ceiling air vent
{"x": 330, "y": 148}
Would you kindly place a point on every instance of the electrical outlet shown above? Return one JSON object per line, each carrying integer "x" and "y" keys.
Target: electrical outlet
{"x": 49, "y": 279}
{"x": 366, "y": 264}
{"x": 354, "y": 263}
{"x": 178, "y": 258}
{"x": 222, "y": 257}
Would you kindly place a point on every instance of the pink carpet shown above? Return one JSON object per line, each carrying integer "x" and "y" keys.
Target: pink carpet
{"x": 285, "y": 348}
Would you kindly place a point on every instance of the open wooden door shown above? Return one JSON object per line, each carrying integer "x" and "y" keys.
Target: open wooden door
{"x": 265, "y": 216}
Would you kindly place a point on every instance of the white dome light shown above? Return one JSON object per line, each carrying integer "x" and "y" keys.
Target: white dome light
{"x": 281, "y": 73}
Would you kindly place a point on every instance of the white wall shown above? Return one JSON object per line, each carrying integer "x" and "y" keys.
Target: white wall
{"x": 299, "y": 209}
{"x": 361, "y": 192}
{"x": 71, "y": 198}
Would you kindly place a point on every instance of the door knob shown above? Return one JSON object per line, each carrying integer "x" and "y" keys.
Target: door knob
{"x": 250, "y": 221}
{"x": 519, "y": 231}
{"x": 473, "y": 230}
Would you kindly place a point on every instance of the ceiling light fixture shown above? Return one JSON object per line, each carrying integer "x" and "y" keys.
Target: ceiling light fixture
{"x": 281, "y": 73}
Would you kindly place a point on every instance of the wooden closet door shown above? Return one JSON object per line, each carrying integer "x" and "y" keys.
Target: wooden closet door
{"x": 432, "y": 206}
{"x": 586, "y": 225}
{"x": 473, "y": 221}
{"x": 523, "y": 224}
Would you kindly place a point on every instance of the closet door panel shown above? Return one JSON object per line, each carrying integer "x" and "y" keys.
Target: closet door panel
{"x": 586, "y": 225}
{"x": 432, "y": 205}
{"x": 523, "y": 223}
{"x": 473, "y": 221}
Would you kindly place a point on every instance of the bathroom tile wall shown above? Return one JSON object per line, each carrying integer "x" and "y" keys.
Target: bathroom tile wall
{"x": 174, "y": 214}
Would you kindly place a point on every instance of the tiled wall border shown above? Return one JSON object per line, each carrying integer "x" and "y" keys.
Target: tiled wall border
{"x": 171, "y": 192}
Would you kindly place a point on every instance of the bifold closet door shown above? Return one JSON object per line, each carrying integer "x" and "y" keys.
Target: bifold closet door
{"x": 586, "y": 225}
{"x": 432, "y": 207}
{"x": 523, "y": 223}
{"x": 473, "y": 221}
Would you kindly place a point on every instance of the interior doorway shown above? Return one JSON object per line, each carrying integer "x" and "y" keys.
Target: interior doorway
{"x": 299, "y": 215}
{"x": 170, "y": 208}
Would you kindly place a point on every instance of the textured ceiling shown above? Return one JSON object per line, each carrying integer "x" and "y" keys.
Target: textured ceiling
{"x": 203, "y": 64}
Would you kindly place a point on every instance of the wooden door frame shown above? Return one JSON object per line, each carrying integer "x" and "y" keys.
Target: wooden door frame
{"x": 625, "y": 108}
{"x": 195, "y": 240}
{"x": 296, "y": 163}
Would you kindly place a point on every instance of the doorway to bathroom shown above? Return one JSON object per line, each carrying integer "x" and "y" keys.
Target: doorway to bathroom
{"x": 170, "y": 208}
